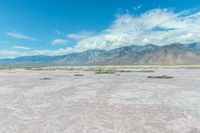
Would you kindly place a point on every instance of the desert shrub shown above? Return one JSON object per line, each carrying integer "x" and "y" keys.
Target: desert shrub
{"x": 123, "y": 71}
{"x": 45, "y": 78}
{"x": 105, "y": 71}
{"x": 160, "y": 77}
{"x": 145, "y": 71}
{"x": 78, "y": 74}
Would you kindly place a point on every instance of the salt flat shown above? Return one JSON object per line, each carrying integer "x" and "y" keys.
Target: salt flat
{"x": 99, "y": 103}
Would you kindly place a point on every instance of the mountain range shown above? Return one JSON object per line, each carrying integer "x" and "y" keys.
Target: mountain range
{"x": 173, "y": 54}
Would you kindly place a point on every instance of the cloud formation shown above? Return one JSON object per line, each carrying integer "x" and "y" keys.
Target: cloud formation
{"x": 26, "y": 52}
{"x": 57, "y": 32}
{"x": 137, "y": 7}
{"x": 157, "y": 26}
{"x": 21, "y": 47}
{"x": 81, "y": 35}
{"x": 22, "y": 36}
{"x": 59, "y": 42}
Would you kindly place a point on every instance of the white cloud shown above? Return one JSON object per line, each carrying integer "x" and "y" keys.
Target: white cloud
{"x": 158, "y": 26}
{"x": 61, "y": 51}
{"x": 21, "y": 47}
{"x": 137, "y": 7}
{"x": 16, "y": 53}
{"x": 57, "y": 32}
{"x": 59, "y": 42}
{"x": 19, "y": 35}
{"x": 81, "y": 35}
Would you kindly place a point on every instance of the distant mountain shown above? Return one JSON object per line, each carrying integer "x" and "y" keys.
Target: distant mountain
{"x": 174, "y": 54}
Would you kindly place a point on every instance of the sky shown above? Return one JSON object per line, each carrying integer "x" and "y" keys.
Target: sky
{"x": 58, "y": 27}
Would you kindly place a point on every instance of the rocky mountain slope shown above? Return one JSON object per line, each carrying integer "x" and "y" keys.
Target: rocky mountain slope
{"x": 174, "y": 54}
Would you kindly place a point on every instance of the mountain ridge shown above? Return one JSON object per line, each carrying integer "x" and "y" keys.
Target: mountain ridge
{"x": 173, "y": 54}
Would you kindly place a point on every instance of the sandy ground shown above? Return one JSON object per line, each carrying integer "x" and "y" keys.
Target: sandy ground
{"x": 99, "y": 103}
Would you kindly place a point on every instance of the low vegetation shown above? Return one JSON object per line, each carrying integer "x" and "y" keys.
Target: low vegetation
{"x": 160, "y": 77}
{"x": 110, "y": 70}
{"x": 126, "y": 71}
{"x": 45, "y": 78}
{"x": 105, "y": 71}
{"x": 78, "y": 74}
{"x": 19, "y": 67}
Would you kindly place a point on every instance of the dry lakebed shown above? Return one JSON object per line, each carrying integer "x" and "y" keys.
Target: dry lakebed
{"x": 79, "y": 101}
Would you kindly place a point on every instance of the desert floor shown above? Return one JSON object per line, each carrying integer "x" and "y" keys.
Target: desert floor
{"x": 57, "y": 101}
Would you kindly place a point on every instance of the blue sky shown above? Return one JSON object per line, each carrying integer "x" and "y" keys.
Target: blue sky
{"x": 55, "y": 27}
